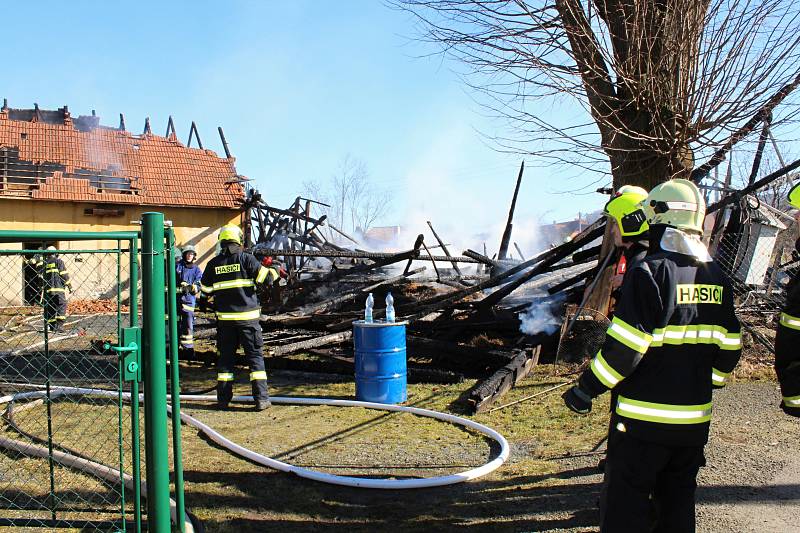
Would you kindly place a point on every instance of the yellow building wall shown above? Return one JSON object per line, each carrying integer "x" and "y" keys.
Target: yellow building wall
{"x": 95, "y": 275}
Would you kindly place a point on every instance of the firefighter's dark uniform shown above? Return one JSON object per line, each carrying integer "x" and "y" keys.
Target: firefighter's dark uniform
{"x": 674, "y": 338}
{"x": 631, "y": 257}
{"x": 231, "y": 278}
{"x": 56, "y": 282}
{"x": 33, "y": 270}
{"x": 188, "y": 278}
{"x": 787, "y": 353}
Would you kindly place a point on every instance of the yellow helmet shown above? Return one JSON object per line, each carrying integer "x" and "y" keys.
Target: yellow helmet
{"x": 230, "y": 233}
{"x": 677, "y": 203}
{"x": 794, "y": 196}
{"x": 625, "y": 207}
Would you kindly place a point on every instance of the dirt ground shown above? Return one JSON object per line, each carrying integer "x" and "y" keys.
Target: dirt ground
{"x": 751, "y": 482}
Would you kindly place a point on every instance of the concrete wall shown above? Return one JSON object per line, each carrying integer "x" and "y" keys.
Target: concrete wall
{"x": 95, "y": 275}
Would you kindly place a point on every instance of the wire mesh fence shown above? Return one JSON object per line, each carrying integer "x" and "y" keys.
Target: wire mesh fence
{"x": 760, "y": 258}
{"x": 759, "y": 265}
{"x": 58, "y": 314}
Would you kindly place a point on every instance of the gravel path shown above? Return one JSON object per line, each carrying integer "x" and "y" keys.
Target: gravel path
{"x": 752, "y": 478}
{"x": 752, "y": 481}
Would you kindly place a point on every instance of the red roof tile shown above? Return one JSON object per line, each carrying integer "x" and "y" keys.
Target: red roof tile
{"x": 161, "y": 170}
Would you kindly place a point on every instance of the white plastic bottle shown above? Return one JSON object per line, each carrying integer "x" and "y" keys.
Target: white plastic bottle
{"x": 368, "y": 308}
{"x": 389, "y": 307}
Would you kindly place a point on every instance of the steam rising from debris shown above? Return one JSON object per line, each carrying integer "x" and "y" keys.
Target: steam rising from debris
{"x": 541, "y": 317}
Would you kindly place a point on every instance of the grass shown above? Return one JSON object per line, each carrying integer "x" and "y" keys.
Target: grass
{"x": 230, "y": 494}
{"x": 540, "y": 487}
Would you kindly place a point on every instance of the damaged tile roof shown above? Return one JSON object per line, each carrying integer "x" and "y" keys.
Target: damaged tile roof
{"x": 47, "y": 155}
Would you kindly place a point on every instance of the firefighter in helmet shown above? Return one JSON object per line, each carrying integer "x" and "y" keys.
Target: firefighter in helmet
{"x": 56, "y": 283}
{"x": 674, "y": 338}
{"x": 787, "y": 356}
{"x": 232, "y": 278}
{"x": 629, "y": 229}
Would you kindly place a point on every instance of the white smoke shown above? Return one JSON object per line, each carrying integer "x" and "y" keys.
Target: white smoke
{"x": 541, "y": 317}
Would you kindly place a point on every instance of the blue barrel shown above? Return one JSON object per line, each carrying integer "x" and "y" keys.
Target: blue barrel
{"x": 380, "y": 358}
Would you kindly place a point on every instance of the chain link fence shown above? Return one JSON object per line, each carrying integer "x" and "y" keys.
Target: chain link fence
{"x": 758, "y": 253}
{"x": 55, "y": 324}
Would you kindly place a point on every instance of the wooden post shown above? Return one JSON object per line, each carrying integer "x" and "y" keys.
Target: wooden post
{"x": 444, "y": 248}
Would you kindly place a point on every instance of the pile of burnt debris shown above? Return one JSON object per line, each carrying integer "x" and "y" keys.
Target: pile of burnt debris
{"x": 472, "y": 316}
{"x": 463, "y": 312}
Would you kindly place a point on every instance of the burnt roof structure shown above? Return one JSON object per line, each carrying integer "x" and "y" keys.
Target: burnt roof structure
{"x": 50, "y": 155}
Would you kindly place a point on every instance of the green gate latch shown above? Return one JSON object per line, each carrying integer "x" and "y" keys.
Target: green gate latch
{"x": 130, "y": 353}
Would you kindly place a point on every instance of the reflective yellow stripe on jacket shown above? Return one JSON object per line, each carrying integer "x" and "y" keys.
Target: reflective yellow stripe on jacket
{"x": 719, "y": 378}
{"x": 265, "y": 272}
{"x": 663, "y": 413}
{"x": 258, "y": 374}
{"x": 791, "y": 322}
{"x": 607, "y": 375}
{"x": 629, "y": 336}
{"x": 255, "y": 314}
{"x": 791, "y": 401}
{"x": 697, "y": 334}
{"x": 232, "y": 284}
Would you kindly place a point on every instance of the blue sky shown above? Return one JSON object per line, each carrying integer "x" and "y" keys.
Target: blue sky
{"x": 296, "y": 86}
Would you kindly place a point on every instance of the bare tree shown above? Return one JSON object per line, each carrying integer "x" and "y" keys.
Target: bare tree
{"x": 355, "y": 203}
{"x": 663, "y": 81}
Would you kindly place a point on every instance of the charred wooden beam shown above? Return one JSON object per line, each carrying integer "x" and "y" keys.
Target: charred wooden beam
{"x": 435, "y": 268}
{"x": 571, "y": 281}
{"x": 464, "y": 352}
{"x": 325, "y": 340}
{"x": 444, "y": 248}
{"x": 586, "y": 253}
{"x": 415, "y": 252}
{"x": 345, "y": 366}
{"x": 336, "y": 252}
{"x": 557, "y": 254}
{"x": 330, "y": 304}
{"x": 503, "y": 380}
{"x": 522, "y": 257}
{"x": 480, "y": 258}
{"x": 424, "y": 307}
{"x": 547, "y": 258}
{"x": 501, "y": 254}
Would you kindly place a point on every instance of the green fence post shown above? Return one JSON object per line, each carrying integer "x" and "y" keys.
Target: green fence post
{"x": 154, "y": 364}
{"x": 175, "y": 384}
{"x": 133, "y": 318}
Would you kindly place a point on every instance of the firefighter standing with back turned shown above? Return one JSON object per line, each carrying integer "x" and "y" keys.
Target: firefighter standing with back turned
{"x": 231, "y": 278}
{"x": 188, "y": 277}
{"x": 629, "y": 233}
{"x": 673, "y": 339}
{"x": 56, "y": 283}
{"x": 787, "y": 339}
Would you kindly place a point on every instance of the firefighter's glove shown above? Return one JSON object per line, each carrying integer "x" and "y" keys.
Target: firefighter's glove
{"x": 185, "y": 289}
{"x": 68, "y": 287}
{"x": 578, "y": 400}
{"x": 192, "y": 289}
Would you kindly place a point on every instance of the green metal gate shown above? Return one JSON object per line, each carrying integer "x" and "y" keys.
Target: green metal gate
{"x": 70, "y": 379}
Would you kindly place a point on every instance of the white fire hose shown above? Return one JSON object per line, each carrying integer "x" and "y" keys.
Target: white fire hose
{"x": 307, "y": 473}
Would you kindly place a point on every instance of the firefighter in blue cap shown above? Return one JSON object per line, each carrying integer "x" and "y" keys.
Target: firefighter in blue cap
{"x": 188, "y": 278}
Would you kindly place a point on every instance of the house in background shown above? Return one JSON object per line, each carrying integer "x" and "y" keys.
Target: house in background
{"x": 64, "y": 173}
